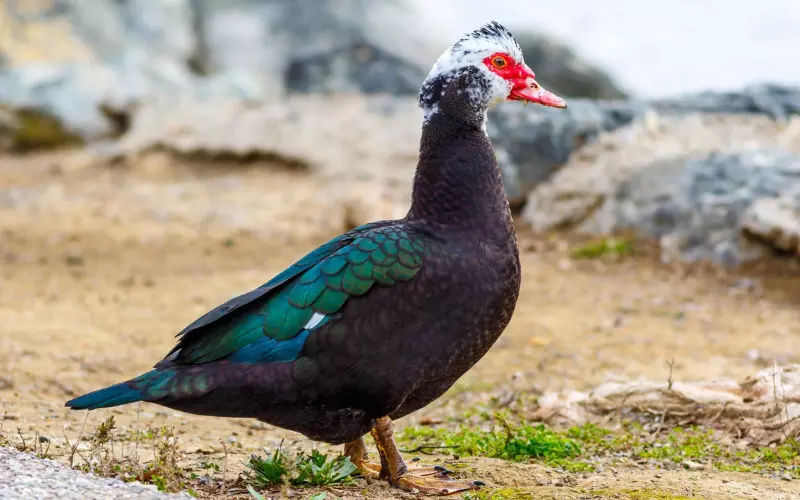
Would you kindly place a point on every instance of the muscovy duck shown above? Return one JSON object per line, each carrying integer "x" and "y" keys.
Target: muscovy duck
{"x": 380, "y": 321}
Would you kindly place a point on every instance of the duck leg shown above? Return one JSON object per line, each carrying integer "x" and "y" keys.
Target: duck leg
{"x": 356, "y": 450}
{"x": 399, "y": 474}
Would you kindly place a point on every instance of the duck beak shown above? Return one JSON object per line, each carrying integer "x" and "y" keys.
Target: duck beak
{"x": 525, "y": 88}
{"x": 538, "y": 95}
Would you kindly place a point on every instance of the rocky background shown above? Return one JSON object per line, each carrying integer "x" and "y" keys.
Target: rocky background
{"x": 328, "y": 89}
{"x": 710, "y": 176}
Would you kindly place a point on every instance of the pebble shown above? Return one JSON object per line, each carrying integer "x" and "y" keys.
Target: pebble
{"x": 693, "y": 465}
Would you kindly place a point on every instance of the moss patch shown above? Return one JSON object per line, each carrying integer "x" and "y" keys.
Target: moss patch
{"x": 38, "y": 130}
{"x": 614, "y": 248}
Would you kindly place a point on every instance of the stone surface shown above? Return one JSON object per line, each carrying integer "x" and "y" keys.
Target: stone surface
{"x": 250, "y": 49}
{"x": 24, "y": 476}
{"x": 355, "y": 67}
{"x": 90, "y": 99}
{"x": 777, "y": 101}
{"x": 684, "y": 180}
{"x": 534, "y": 142}
{"x": 776, "y": 220}
{"x": 337, "y": 45}
{"x": 696, "y": 208}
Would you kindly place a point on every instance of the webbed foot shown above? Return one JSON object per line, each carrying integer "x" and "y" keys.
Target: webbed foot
{"x": 435, "y": 485}
{"x": 357, "y": 452}
{"x": 429, "y": 480}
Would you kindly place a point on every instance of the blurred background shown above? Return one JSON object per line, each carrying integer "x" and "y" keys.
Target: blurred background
{"x": 160, "y": 156}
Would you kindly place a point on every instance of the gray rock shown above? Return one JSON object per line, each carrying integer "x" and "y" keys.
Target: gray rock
{"x": 332, "y": 46}
{"x": 776, "y": 221}
{"x": 777, "y": 101}
{"x": 356, "y": 67}
{"x": 687, "y": 180}
{"x": 112, "y": 29}
{"x": 559, "y": 69}
{"x": 696, "y": 208}
{"x": 94, "y": 100}
{"x": 532, "y": 142}
{"x": 24, "y": 476}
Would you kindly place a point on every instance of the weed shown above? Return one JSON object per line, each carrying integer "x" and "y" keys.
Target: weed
{"x": 103, "y": 460}
{"x": 3, "y": 417}
{"x": 305, "y": 470}
{"x": 254, "y": 493}
{"x": 39, "y": 445}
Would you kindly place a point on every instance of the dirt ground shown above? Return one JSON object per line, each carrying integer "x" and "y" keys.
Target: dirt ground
{"x": 101, "y": 266}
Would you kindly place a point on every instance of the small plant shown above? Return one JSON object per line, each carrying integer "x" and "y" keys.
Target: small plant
{"x": 270, "y": 471}
{"x": 103, "y": 460}
{"x": 3, "y": 417}
{"x": 316, "y": 470}
{"x": 305, "y": 470}
{"x": 612, "y": 247}
{"x": 254, "y": 493}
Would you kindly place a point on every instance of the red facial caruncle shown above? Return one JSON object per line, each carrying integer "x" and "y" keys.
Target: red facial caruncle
{"x": 522, "y": 80}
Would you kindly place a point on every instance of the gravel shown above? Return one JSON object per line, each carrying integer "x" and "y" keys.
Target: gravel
{"x": 23, "y": 476}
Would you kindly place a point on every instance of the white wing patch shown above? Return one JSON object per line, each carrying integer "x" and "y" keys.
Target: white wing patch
{"x": 315, "y": 320}
{"x": 172, "y": 357}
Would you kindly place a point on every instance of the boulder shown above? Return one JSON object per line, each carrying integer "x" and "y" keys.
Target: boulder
{"x": 685, "y": 180}
{"x": 534, "y": 142}
{"x": 331, "y": 46}
{"x": 94, "y": 101}
{"x": 776, "y": 220}
{"x": 355, "y": 67}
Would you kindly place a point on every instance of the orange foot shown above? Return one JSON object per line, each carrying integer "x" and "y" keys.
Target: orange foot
{"x": 373, "y": 470}
{"x": 435, "y": 484}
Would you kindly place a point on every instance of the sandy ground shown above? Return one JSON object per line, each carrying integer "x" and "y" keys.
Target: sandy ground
{"x": 101, "y": 266}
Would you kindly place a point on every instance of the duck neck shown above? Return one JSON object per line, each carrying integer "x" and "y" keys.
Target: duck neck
{"x": 457, "y": 184}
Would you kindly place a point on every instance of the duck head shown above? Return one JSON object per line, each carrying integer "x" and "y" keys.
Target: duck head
{"x": 483, "y": 68}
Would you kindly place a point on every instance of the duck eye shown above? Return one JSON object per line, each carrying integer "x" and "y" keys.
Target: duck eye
{"x": 499, "y": 62}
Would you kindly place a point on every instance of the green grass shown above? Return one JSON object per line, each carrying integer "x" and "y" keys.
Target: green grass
{"x": 516, "y": 443}
{"x": 580, "y": 449}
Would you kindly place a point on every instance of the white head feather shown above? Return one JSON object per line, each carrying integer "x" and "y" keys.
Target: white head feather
{"x": 468, "y": 53}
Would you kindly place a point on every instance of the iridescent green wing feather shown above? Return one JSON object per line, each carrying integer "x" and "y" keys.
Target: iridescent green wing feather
{"x": 273, "y": 326}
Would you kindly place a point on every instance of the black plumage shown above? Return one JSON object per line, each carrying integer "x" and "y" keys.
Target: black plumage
{"x": 380, "y": 321}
